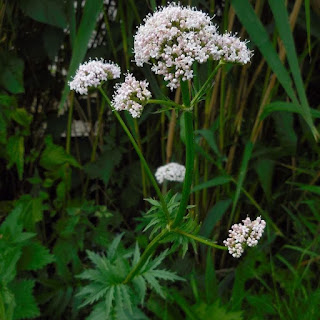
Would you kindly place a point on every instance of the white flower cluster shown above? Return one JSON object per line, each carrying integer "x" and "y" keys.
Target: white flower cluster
{"x": 92, "y": 73}
{"x": 246, "y": 234}
{"x": 129, "y": 94}
{"x": 232, "y": 49}
{"x": 172, "y": 172}
{"x": 174, "y": 37}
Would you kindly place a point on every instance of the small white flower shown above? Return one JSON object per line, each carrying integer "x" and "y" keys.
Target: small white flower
{"x": 246, "y": 234}
{"x": 130, "y": 95}
{"x": 232, "y": 49}
{"x": 172, "y": 39}
{"x": 171, "y": 172}
{"x": 92, "y": 73}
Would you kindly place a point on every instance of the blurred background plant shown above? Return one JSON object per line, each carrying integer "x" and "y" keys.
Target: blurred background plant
{"x": 256, "y": 153}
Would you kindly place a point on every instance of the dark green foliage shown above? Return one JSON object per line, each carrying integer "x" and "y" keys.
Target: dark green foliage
{"x": 113, "y": 298}
{"x": 71, "y": 230}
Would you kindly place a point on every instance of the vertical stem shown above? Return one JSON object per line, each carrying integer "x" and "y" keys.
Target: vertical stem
{"x": 189, "y": 141}
{"x": 143, "y": 174}
{"x": 140, "y": 155}
{"x": 146, "y": 254}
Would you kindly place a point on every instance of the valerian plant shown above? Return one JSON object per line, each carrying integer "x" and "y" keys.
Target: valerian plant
{"x": 172, "y": 40}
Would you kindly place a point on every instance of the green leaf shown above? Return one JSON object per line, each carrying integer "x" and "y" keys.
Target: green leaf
{"x": 35, "y": 256}
{"x": 26, "y": 306}
{"x": 213, "y": 216}
{"x": 114, "y": 246}
{"x": 11, "y": 72}
{"x": 55, "y": 156}
{"x": 285, "y": 106}
{"x": 285, "y": 132}
{"x": 52, "y": 40}
{"x": 280, "y": 15}
{"x": 264, "y": 169}
{"x": 88, "y": 22}
{"x": 22, "y": 117}
{"x": 214, "y": 311}
{"x": 208, "y": 135}
{"x": 15, "y": 153}
{"x": 218, "y": 181}
{"x": 49, "y": 11}
{"x": 260, "y": 37}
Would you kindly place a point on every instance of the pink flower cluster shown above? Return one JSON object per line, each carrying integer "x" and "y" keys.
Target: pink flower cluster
{"x": 92, "y": 73}
{"x": 174, "y": 37}
{"x": 129, "y": 95}
{"x": 246, "y": 234}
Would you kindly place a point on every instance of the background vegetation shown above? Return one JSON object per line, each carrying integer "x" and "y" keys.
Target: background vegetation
{"x": 64, "y": 201}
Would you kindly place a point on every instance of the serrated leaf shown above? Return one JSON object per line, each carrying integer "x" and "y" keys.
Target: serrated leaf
{"x": 21, "y": 116}
{"x": 35, "y": 256}
{"x": 54, "y": 156}
{"x": 114, "y": 246}
{"x": 26, "y": 306}
{"x": 141, "y": 287}
{"x": 154, "y": 283}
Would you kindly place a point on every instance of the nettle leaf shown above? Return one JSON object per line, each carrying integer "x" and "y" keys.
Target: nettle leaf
{"x": 22, "y": 117}
{"x": 25, "y": 303}
{"x": 50, "y": 11}
{"x": 15, "y": 153}
{"x": 11, "y": 72}
{"x": 55, "y": 156}
{"x": 35, "y": 256}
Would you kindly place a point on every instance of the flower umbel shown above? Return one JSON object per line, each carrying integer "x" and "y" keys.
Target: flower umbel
{"x": 172, "y": 39}
{"x": 246, "y": 234}
{"x": 92, "y": 73}
{"x": 130, "y": 95}
{"x": 172, "y": 172}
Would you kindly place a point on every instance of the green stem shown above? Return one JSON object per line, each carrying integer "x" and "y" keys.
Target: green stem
{"x": 168, "y": 103}
{"x": 142, "y": 159}
{"x": 146, "y": 254}
{"x": 206, "y": 85}
{"x": 200, "y": 239}
{"x": 189, "y": 141}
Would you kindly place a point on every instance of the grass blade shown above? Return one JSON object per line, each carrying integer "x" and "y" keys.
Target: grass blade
{"x": 282, "y": 22}
{"x": 87, "y": 25}
{"x": 260, "y": 37}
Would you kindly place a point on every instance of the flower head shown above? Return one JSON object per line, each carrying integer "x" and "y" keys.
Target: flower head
{"x": 92, "y": 73}
{"x": 171, "y": 172}
{"x": 246, "y": 234}
{"x": 172, "y": 39}
{"x": 232, "y": 49}
{"x": 130, "y": 94}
